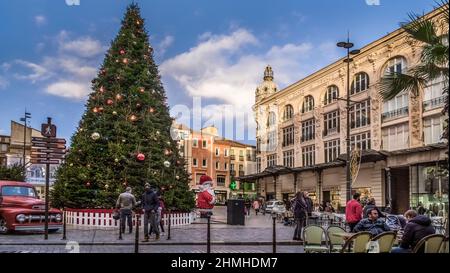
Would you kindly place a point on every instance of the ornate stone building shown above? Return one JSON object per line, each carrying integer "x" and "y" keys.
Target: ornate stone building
{"x": 301, "y": 132}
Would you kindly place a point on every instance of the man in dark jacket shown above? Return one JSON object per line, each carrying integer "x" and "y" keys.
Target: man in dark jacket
{"x": 371, "y": 204}
{"x": 309, "y": 203}
{"x": 150, "y": 204}
{"x": 372, "y": 224}
{"x": 418, "y": 226}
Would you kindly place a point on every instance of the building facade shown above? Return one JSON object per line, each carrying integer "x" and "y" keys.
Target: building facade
{"x": 301, "y": 133}
{"x": 12, "y": 150}
{"x": 206, "y": 153}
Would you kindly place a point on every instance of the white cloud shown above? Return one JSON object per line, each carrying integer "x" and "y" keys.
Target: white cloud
{"x": 5, "y": 66}
{"x": 40, "y": 20}
{"x": 69, "y": 89}
{"x": 3, "y": 83}
{"x": 165, "y": 44}
{"x": 38, "y": 72}
{"x": 220, "y": 68}
{"x": 84, "y": 47}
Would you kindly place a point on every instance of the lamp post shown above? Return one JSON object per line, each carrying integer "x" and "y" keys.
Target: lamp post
{"x": 24, "y": 119}
{"x": 347, "y": 45}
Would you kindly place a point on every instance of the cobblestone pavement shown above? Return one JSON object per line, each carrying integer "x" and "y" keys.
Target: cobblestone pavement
{"x": 257, "y": 233}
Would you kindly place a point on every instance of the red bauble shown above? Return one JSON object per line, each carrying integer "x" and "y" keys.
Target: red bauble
{"x": 102, "y": 89}
{"x": 95, "y": 110}
{"x": 100, "y": 109}
{"x": 109, "y": 101}
{"x": 88, "y": 184}
{"x": 140, "y": 157}
{"x": 122, "y": 52}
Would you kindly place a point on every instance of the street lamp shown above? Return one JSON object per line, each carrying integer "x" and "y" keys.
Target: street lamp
{"x": 347, "y": 45}
{"x": 24, "y": 119}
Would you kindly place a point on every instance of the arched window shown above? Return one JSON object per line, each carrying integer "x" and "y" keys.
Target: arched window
{"x": 395, "y": 65}
{"x": 308, "y": 104}
{"x": 360, "y": 83}
{"x": 331, "y": 95}
{"x": 271, "y": 120}
{"x": 288, "y": 112}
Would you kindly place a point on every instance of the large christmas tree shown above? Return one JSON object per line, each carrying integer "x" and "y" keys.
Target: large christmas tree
{"x": 123, "y": 138}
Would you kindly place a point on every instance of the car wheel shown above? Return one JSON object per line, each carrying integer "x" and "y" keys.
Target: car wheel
{"x": 3, "y": 226}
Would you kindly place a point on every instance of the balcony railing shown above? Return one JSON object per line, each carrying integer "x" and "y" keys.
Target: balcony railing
{"x": 434, "y": 103}
{"x": 395, "y": 113}
{"x": 330, "y": 131}
{"x": 360, "y": 122}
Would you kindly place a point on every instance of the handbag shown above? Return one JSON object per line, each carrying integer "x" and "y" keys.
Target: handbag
{"x": 116, "y": 215}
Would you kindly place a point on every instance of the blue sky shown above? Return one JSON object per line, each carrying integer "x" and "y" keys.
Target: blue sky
{"x": 214, "y": 50}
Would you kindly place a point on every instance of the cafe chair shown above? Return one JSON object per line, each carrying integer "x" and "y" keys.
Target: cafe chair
{"x": 357, "y": 243}
{"x": 385, "y": 241}
{"x": 444, "y": 246}
{"x": 335, "y": 242}
{"x": 429, "y": 244}
{"x": 313, "y": 239}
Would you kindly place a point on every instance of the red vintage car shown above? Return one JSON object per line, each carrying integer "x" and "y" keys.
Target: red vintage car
{"x": 22, "y": 210}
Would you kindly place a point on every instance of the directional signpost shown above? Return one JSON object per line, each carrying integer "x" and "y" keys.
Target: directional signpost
{"x": 47, "y": 150}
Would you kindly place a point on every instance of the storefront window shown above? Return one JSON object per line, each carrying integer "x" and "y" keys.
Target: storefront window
{"x": 432, "y": 190}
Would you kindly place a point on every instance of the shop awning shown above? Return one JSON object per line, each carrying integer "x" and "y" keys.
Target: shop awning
{"x": 269, "y": 171}
{"x": 426, "y": 148}
{"x": 367, "y": 156}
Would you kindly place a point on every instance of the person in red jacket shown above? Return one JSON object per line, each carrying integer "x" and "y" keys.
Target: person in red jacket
{"x": 206, "y": 197}
{"x": 353, "y": 211}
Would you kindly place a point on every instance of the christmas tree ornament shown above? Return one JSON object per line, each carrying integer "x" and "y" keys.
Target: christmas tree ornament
{"x": 166, "y": 164}
{"x": 140, "y": 157}
{"x": 118, "y": 78}
{"x": 151, "y": 110}
{"x": 138, "y": 22}
{"x": 114, "y": 113}
{"x": 133, "y": 118}
{"x": 166, "y": 152}
{"x": 100, "y": 109}
{"x": 177, "y": 177}
{"x": 106, "y": 186}
{"x": 125, "y": 60}
{"x": 116, "y": 160}
{"x": 124, "y": 140}
{"x": 102, "y": 89}
{"x": 138, "y": 106}
{"x": 109, "y": 101}
{"x": 142, "y": 89}
{"x": 88, "y": 165}
{"x": 95, "y": 110}
{"x": 118, "y": 97}
{"x": 117, "y": 60}
{"x": 168, "y": 142}
{"x": 122, "y": 52}
{"x": 88, "y": 184}
{"x": 71, "y": 164}
{"x": 95, "y": 136}
{"x": 157, "y": 132}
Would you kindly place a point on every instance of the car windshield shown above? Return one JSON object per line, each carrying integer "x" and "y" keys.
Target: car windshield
{"x": 18, "y": 191}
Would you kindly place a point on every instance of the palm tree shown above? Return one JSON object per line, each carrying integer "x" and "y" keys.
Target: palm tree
{"x": 434, "y": 58}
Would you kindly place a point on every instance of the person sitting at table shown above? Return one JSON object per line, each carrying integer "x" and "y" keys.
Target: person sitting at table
{"x": 417, "y": 227}
{"x": 371, "y": 205}
{"x": 328, "y": 207}
{"x": 372, "y": 224}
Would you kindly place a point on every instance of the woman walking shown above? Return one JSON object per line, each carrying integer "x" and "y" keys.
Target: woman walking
{"x": 300, "y": 213}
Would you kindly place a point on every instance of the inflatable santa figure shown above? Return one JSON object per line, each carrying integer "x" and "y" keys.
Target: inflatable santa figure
{"x": 205, "y": 197}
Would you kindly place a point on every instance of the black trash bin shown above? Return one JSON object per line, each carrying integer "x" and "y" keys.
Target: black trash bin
{"x": 235, "y": 212}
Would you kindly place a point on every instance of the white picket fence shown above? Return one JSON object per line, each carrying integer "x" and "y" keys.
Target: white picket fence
{"x": 104, "y": 218}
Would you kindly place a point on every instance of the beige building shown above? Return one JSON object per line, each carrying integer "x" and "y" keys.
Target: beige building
{"x": 11, "y": 153}
{"x": 301, "y": 132}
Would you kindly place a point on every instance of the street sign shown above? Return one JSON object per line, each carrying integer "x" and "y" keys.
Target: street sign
{"x": 47, "y": 140}
{"x": 44, "y": 161}
{"x": 47, "y": 150}
{"x": 49, "y": 145}
{"x": 48, "y": 130}
{"x": 57, "y": 156}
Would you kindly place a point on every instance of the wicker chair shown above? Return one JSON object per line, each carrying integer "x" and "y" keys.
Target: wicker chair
{"x": 313, "y": 239}
{"x": 444, "y": 246}
{"x": 430, "y": 244}
{"x": 335, "y": 242}
{"x": 357, "y": 243}
{"x": 385, "y": 241}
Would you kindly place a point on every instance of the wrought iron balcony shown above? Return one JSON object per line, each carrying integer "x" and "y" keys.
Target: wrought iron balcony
{"x": 395, "y": 113}
{"x": 434, "y": 103}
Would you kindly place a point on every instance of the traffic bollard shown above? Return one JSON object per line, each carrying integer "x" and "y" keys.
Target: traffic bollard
{"x": 136, "y": 238}
{"x": 274, "y": 234}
